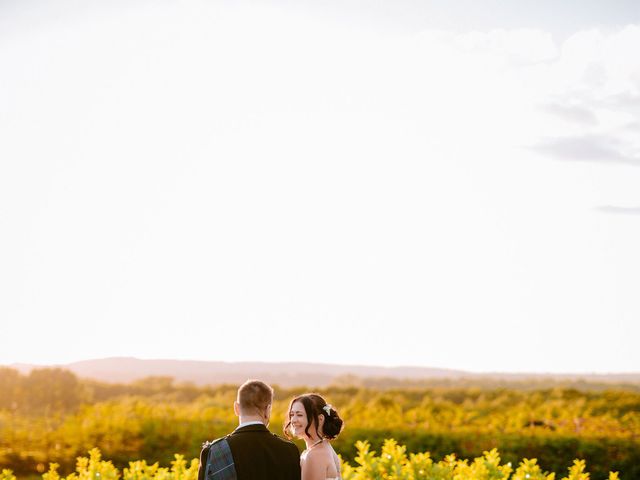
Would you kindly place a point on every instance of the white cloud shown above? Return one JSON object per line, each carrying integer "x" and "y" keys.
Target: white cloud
{"x": 517, "y": 47}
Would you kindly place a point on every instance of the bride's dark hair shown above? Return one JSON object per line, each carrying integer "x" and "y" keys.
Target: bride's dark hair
{"x": 314, "y": 406}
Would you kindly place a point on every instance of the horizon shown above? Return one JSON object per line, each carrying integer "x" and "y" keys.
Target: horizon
{"x": 308, "y": 363}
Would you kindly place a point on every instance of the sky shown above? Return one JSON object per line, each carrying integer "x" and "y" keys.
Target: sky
{"x": 430, "y": 183}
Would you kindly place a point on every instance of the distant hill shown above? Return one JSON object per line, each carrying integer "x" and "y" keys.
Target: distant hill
{"x": 126, "y": 369}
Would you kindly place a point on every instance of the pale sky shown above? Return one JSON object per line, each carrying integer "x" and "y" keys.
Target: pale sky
{"x": 412, "y": 183}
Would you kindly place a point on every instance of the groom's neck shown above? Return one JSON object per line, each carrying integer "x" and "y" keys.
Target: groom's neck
{"x": 250, "y": 418}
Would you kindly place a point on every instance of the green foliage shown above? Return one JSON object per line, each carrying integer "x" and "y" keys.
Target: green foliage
{"x": 7, "y": 474}
{"x": 179, "y": 470}
{"x": 153, "y": 418}
{"x": 553, "y": 452}
{"x": 393, "y": 463}
{"x": 94, "y": 468}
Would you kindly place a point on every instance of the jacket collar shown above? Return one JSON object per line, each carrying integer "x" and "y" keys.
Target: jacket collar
{"x": 254, "y": 427}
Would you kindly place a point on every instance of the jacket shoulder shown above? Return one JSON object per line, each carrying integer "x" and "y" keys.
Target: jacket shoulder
{"x": 286, "y": 442}
{"x": 206, "y": 446}
{"x": 208, "y": 443}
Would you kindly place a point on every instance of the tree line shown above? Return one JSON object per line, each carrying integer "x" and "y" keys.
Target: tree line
{"x": 50, "y": 415}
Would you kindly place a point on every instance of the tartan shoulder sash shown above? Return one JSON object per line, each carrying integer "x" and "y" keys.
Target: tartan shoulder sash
{"x": 220, "y": 464}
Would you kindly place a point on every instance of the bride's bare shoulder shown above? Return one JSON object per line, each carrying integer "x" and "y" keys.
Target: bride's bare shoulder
{"x": 319, "y": 454}
{"x": 320, "y": 463}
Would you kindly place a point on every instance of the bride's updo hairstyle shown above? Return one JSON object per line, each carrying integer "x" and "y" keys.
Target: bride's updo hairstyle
{"x": 314, "y": 406}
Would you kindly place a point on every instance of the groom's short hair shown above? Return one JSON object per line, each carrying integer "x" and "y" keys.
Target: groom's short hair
{"x": 254, "y": 396}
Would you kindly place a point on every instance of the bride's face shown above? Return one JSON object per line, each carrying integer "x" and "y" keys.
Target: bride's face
{"x": 299, "y": 420}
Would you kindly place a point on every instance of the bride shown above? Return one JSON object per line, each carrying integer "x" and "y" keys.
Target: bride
{"x": 312, "y": 419}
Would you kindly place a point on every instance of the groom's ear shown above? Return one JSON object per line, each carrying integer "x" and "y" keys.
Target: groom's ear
{"x": 268, "y": 411}
{"x": 236, "y": 408}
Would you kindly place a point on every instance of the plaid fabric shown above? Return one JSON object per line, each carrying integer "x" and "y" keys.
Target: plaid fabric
{"x": 220, "y": 462}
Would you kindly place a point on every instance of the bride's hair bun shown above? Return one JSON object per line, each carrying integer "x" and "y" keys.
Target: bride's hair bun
{"x": 332, "y": 422}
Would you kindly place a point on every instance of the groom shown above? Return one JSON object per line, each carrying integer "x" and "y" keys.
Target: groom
{"x": 250, "y": 452}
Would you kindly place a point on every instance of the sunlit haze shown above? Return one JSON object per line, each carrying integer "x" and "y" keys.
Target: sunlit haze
{"x": 415, "y": 183}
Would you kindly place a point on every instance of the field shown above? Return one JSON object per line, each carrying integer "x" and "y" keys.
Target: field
{"x": 52, "y": 416}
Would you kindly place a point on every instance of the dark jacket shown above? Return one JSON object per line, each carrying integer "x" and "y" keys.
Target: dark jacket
{"x": 259, "y": 454}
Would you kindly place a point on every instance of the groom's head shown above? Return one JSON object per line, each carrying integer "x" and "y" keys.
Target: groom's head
{"x": 254, "y": 401}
